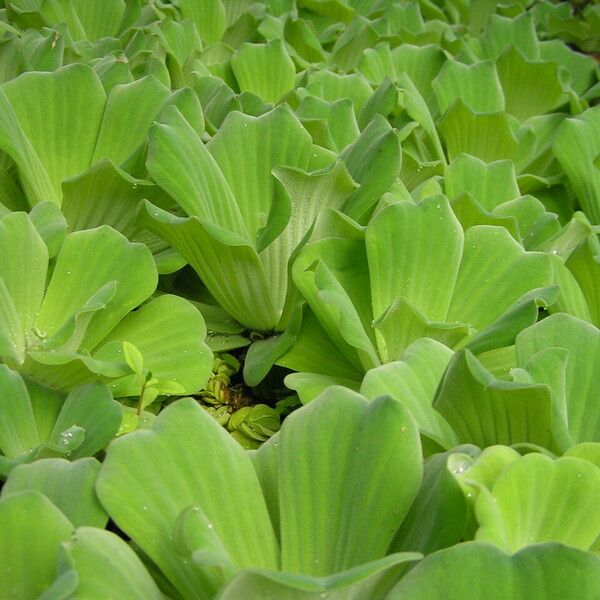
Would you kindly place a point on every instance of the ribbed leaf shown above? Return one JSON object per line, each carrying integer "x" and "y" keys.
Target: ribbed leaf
{"x": 122, "y": 573}
{"x": 370, "y": 581}
{"x": 249, "y": 175}
{"x": 88, "y": 261}
{"x": 341, "y": 508}
{"x": 209, "y": 17}
{"x": 412, "y": 381}
{"x": 476, "y": 85}
{"x": 582, "y": 340}
{"x": 577, "y": 147}
{"x": 414, "y": 253}
{"x": 195, "y": 463}
{"x": 489, "y": 184}
{"x": 487, "y": 136}
{"x": 24, "y": 279}
{"x": 530, "y": 88}
{"x": 537, "y": 499}
{"x": 73, "y": 101}
{"x": 18, "y": 432}
{"x": 169, "y": 332}
{"x": 69, "y": 486}
{"x": 484, "y": 411}
{"x": 180, "y": 163}
{"x": 478, "y": 570}
{"x": 264, "y": 69}
{"x": 30, "y": 571}
{"x": 247, "y": 295}
{"x": 494, "y": 272}
{"x": 92, "y": 409}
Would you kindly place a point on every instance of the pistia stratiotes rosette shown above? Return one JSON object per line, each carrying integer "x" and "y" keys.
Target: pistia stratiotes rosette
{"x": 247, "y": 212}
{"x": 244, "y": 223}
{"x": 213, "y": 512}
{"x": 72, "y": 329}
{"x": 411, "y": 273}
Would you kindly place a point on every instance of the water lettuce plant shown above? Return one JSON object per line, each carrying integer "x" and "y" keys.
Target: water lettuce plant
{"x": 299, "y": 299}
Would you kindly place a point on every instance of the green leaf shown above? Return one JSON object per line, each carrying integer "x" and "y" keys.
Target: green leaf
{"x": 489, "y": 184}
{"x": 122, "y": 573}
{"x": 414, "y": 254}
{"x": 488, "y": 136}
{"x": 226, "y": 489}
{"x": 29, "y": 572}
{"x": 209, "y": 17}
{"x": 69, "y": 486}
{"x": 365, "y": 486}
{"x": 439, "y": 514}
{"x": 50, "y": 224}
{"x": 88, "y": 261}
{"x": 477, "y": 85}
{"x": 133, "y": 357}
{"x": 180, "y": 163}
{"x": 412, "y": 381}
{"x": 250, "y": 177}
{"x": 325, "y": 272}
{"x": 577, "y": 146}
{"x": 73, "y": 101}
{"x": 478, "y": 570}
{"x": 537, "y": 499}
{"x": 24, "y": 280}
{"x": 264, "y": 69}
{"x": 374, "y": 160}
{"x": 169, "y": 333}
{"x": 18, "y": 431}
{"x": 530, "y": 88}
{"x": 484, "y": 411}
{"x": 92, "y": 409}
{"x": 581, "y": 340}
{"x": 247, "y": 297}
{"x": 370, "y": 581}
{"x": 494, "y": 273}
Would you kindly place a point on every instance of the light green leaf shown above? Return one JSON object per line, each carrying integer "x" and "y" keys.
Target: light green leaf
{"x": 24, "y": 280}
{"x": 537, "y": 499}
{"x": 476, "y": 85}
{"x": 169, "y": 333}
{"x": 122, "y": 573}
{"x": 414, "y": 254}
{"x": 209, "y": 17}
{"x": 412, "y": 381}
{"x": 494, "y": 273}
{"x": 488, "y": 136}
{"x": 247, "y": 297}
{"x": 581, "y": 340}
{"x": 18, "y": 432}
{"x": 483, "y": 410}
{"x": 577, "y": 147}
{"x": 365, "y": 486}
{"x": 88, "y": 261}
{"x": 370, "y": 581}
{"x": 489, "y": 184}
{"x": 249, "y": 177}
{"x": 226, "y": 488}
{"x": 530, "y": 88}
{"x": 73, "y": 104}
{"x": 180, "y": 163}
{"x": 92, "y": 410}
{"x": 439, "y": 515}
{"x": 29, "y": 572}
{"x": 264, "y": 69}
{"x": 477, "y": 570}
{"x": 69, "y": 486}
